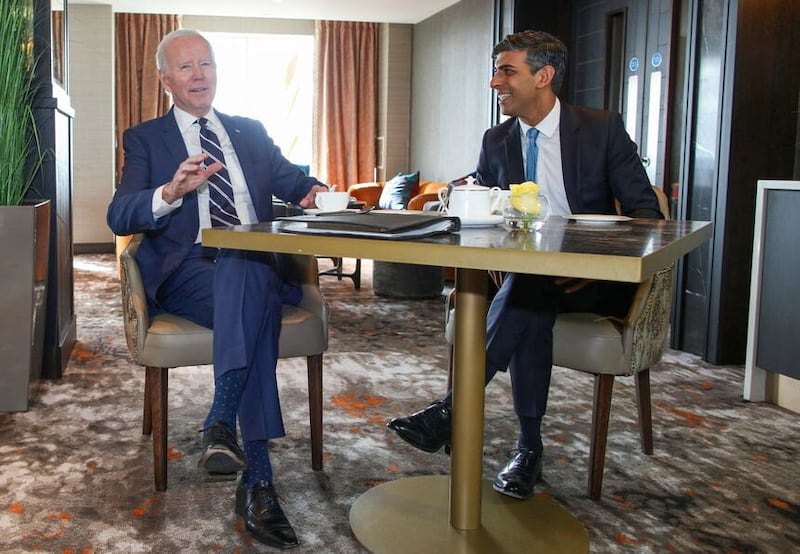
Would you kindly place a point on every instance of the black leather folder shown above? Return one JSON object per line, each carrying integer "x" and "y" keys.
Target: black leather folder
{"x": 386, "y": 224}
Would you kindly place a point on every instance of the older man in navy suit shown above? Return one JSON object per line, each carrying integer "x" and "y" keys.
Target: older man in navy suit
{"x": 196, "y": 168}
{"x": 582, "y": 160}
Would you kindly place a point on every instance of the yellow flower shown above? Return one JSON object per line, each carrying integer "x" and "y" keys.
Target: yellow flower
{"x": 528, "y": 187}
{"x": 525, "y": 198}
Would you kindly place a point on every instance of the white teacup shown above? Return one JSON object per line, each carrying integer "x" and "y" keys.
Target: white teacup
{"x": 469, "y": 201}
{"x": 332, "y": 201}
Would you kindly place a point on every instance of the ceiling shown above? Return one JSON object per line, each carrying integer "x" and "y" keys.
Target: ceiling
{"x": 388, "y": 11}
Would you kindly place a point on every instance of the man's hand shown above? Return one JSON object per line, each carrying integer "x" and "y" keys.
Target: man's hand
{"x": 572, "y": 284}
{"x": 308, "y": 199}
{"x": 189, "y": 176}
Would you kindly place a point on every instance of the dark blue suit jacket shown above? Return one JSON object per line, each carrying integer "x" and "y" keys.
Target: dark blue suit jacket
{"x": 599, "y": 160}
{"x": 153, "y": 151}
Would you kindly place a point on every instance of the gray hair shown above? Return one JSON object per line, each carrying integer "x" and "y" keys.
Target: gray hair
{"x": 542, "y": 49}
{"x": 161, "y": 51}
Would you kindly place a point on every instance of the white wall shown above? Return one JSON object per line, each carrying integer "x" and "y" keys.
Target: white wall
{"x": 394, "y": 100}
{"x": 451, "y": 103}
{"x": 91, "y": 75}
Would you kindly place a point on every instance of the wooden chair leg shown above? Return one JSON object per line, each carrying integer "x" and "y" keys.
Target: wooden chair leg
{"x": 450, "y": 369}
{"x": 147, "y": 410}
{"x": 357, "y": 275}
{"x": 603, "y": 387}
{"x": 315, "y": 408}
{"x": 159, "y": 381}
{"x": 645, "y": 410}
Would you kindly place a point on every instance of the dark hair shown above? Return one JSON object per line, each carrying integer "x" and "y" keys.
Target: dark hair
{"x": 542, "y": 49}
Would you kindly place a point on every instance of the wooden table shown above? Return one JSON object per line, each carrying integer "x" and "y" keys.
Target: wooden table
{"x": 411, "y": 515}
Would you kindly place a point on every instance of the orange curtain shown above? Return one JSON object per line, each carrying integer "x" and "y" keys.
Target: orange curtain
{"x": 139, "y": 95}
{"x": 346, "y": 77}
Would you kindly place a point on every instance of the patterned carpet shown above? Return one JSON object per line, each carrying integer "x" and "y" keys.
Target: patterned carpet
{"x": 76, "y": 473}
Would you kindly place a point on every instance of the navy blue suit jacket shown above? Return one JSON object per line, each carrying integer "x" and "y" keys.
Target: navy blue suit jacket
{"x": 599, "y": 160}
{"x": 153, "y": 151}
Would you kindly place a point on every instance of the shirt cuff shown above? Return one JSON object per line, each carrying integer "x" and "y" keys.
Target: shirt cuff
{"x": 160, "y": 206}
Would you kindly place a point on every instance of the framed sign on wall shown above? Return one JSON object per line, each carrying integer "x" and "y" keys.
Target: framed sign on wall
{"x": 772, "y": 345}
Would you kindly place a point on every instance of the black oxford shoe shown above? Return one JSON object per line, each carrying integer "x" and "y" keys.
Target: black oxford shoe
{"x": 428, "y": 429}
{"x": 519, "y": 475}
{"x": 263, "y": 517}
{"x": 222, "y": 457}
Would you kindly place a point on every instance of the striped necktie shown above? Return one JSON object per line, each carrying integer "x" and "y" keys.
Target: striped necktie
{"x": 220, "y": 191}
{"x": 531, "y": 154}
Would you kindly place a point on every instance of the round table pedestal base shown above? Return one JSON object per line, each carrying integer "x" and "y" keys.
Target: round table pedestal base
{"x": 412, "y": 515}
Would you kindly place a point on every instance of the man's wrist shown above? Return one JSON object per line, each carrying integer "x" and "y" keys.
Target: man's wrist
{"x": 167, "y": 195}
{"x": 161, "y": 204}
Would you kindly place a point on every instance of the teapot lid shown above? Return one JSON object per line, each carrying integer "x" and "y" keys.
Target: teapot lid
{"x": 471, "y": 185}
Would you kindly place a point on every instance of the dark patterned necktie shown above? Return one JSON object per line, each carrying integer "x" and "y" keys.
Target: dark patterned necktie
{"x": 220, "y": 191}
{"x": 531, "y": 155}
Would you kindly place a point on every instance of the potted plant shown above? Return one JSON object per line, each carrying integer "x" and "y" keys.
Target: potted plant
{"x": 24, "y": 223}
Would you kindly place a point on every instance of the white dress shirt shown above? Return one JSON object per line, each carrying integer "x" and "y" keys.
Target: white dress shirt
{"x": 549, "y": 171}
{"x": 190, "y": 131}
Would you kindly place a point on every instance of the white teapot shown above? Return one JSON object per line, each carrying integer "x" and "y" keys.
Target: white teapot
{"x": 469, "y": 201}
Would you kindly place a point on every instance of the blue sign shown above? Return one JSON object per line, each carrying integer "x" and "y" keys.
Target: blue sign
{"x": 657, "y": 59}
{"x": 634, "y": 64}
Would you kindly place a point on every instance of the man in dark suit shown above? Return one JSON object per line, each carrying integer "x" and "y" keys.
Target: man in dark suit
{"x": 196, "y": 168}
{"x": 582, "y": 160}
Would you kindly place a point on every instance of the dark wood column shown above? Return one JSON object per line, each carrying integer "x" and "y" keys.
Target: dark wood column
{"x": 54, "y": 116}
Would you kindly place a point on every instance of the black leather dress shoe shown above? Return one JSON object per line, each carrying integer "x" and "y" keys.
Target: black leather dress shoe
{"x": 519, "y": 475}
{"x": 428, "y": 429}
{"x": 222, "y": 457}
{"x": 263, "y": 517}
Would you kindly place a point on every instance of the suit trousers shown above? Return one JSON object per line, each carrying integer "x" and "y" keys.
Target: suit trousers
{"x": 240, "y": 295}
{"x": 519, "y": 330}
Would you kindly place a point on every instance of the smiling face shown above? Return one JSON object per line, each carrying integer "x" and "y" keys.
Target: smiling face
{"x": 190, "y": 74}
{"x": 521, "y": 93}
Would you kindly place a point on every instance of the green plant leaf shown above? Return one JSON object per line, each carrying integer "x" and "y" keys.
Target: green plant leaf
{"x": 19, "y": 142}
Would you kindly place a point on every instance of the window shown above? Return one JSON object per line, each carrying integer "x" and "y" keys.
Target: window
{"x": 268, "y": 78}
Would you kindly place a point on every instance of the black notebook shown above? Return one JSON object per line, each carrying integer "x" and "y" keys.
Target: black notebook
{"x": 387, "y": 224}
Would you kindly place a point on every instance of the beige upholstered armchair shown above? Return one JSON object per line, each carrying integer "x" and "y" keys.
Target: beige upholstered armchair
{"x": 607, "y": 349}
{"x": 166, "y": 341}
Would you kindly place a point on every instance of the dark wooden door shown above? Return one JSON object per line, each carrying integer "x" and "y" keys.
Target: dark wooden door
{"x": 620, "y": 62}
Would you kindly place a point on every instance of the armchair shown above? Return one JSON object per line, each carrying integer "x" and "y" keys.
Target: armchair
{"x": 166, "y": 341}
{"x": 370, "y": 193}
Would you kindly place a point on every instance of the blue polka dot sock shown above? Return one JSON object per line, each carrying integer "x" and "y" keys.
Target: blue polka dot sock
{"x": 259, "y": 467}
{"x": 228, "y": 390}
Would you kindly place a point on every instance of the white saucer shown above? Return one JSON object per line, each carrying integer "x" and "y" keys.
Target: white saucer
{"x": 598, "y": 219}
{"x": 487, "y": 221}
